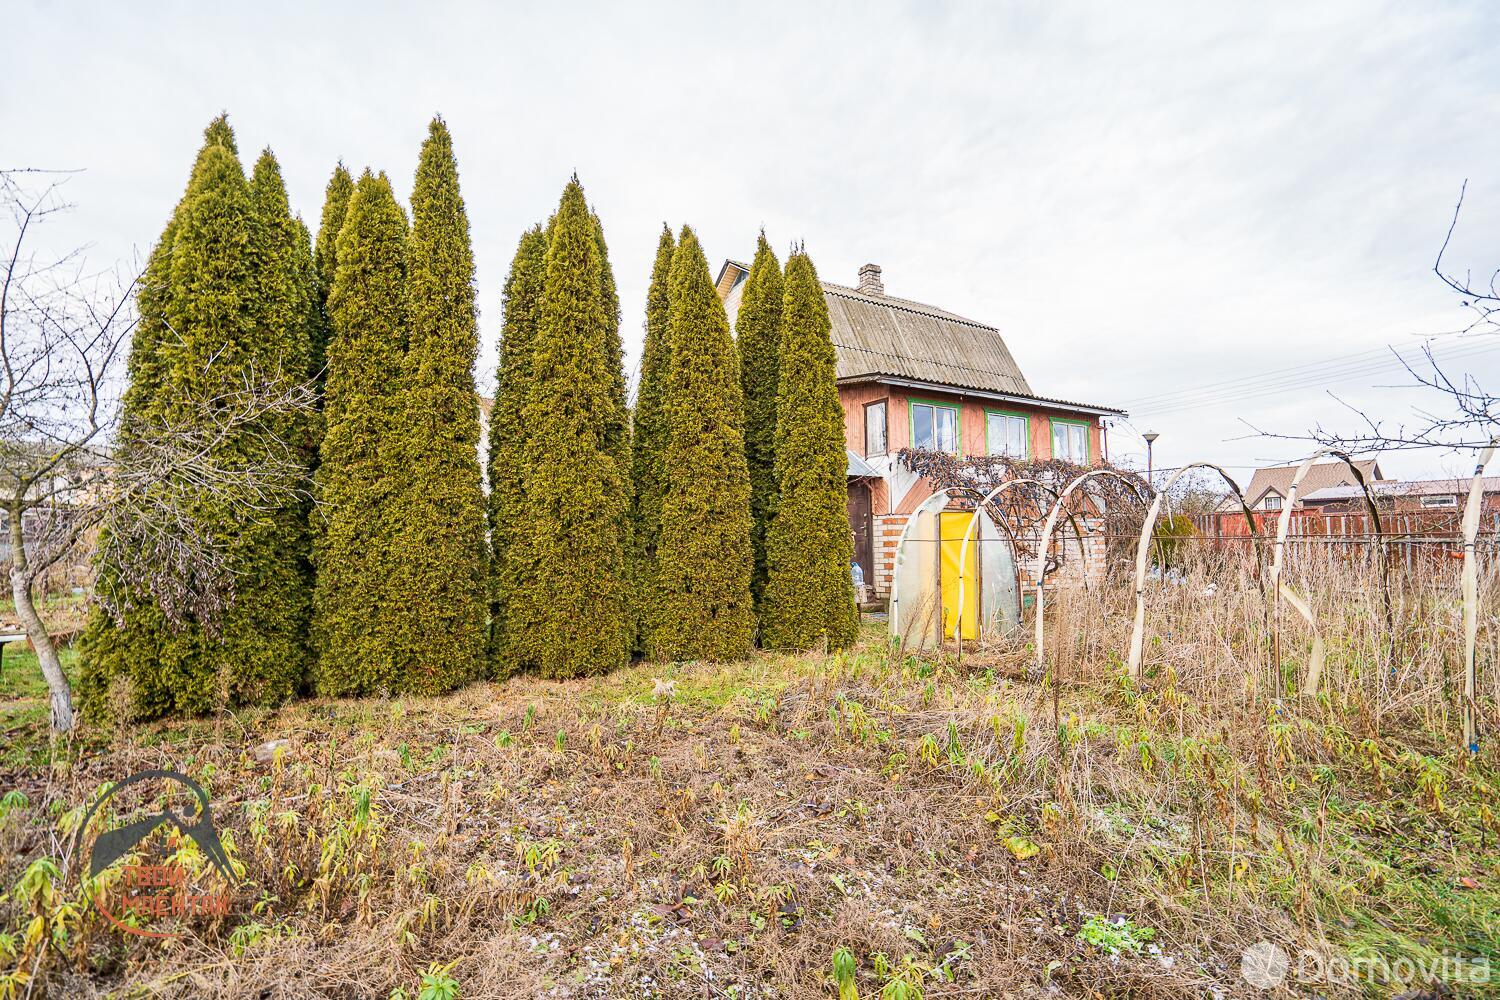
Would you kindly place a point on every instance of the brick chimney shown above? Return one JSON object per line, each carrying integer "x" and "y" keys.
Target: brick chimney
{"x": 869, "y": 280}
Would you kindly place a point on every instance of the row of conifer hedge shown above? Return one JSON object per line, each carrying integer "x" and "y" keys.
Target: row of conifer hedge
{"x": 707, "y": 519}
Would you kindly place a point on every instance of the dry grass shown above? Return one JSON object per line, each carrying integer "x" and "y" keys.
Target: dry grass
{"x": 593, "y": 839}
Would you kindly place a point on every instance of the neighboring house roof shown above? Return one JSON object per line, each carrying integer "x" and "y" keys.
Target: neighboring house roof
{"x": 881, "y": 337}
{"x": 1403, "y": 488}
{"x": 1322, "y": 475}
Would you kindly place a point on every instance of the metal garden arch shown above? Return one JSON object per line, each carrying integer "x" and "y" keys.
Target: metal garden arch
{"x": 1041, "y": 560}
{"x": 1280, "y": 590}
{"x": 963, "y": 552}
{"x": 1471, "y": 596}
{"x": 1138, "y": 630}
{"x": 896, "y": 626}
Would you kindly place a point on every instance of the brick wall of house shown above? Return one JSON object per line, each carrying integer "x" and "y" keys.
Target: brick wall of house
{"x": 888, "y": 529}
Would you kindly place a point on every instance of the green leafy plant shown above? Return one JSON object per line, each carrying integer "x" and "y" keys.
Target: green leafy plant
{"x": 1115, "y": 936}
{"x": 844, "y": 968}
{"x": 438, "y": 983}
{"x": 12, "y": 801}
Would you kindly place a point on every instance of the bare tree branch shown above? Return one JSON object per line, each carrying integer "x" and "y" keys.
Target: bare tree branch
{"x": 1470, "y": 415}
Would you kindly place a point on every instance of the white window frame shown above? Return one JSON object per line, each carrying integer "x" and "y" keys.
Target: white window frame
{"x": 1010, "y": 423}
{"x": 1067, "y": 433}
{"x": 885, "y": 440}
{"x": 936, "y": 445}
{"x": 1440, "y": 501}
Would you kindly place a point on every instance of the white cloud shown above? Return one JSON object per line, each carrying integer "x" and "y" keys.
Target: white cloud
{"x": 1140, "y": 197}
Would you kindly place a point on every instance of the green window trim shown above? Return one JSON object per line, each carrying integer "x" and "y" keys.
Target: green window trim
{"x": 958, "y": 421}
{"x": 1088, "y": 446}
{"x": 989, "y": 447}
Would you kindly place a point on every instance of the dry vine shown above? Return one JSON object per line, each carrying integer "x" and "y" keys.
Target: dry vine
{"x": 1113, "y": 507}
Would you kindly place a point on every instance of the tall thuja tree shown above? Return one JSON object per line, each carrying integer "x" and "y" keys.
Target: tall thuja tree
{"x": 648, "y": 439}
{"x": 569, "y": 616}
{"x": 701, "y": 605}
{"x": 265, "y": 637}
{"x": 617, "y": 433}
{"x": 522, "y": 302}
{"x": 354, "y": 625}
{"x": 231, "y": 313}
{"x": 437, "y": 543}
{"x": 336, "y": 197}
{"x": 324, "y": 264}
{"x": 809, "y": 592}
{"x": 758, "y": 329}
{"x": 137, "y": 647}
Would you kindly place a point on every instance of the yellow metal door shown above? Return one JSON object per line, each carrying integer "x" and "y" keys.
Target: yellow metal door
{"x": 951, "y": 525}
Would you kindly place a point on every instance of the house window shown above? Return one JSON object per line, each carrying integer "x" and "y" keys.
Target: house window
{"x": 1007, "y": 433}
{"x": 1272, "y": 502}
{"x": 934, "y": 426}
{"x": 875, "y": 428}
{"x": 1440, "y": 501}
{"x": 1070, "y": 441}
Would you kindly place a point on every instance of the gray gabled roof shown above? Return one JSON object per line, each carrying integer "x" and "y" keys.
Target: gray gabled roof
{"x": 888, "y": 337}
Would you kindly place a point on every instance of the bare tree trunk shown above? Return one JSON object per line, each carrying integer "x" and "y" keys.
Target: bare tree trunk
{"x": 46, "y": 652}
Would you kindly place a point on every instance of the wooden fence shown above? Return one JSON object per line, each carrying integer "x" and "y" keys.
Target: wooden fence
{"x": 1409, "y": 536}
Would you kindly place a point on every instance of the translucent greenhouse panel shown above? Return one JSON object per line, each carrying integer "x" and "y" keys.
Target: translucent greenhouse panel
{"x": 1000, "y": 597}
{"x": 916, "y": 610}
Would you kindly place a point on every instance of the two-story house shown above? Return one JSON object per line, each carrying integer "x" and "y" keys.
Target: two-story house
{"x": 914, "y": 375}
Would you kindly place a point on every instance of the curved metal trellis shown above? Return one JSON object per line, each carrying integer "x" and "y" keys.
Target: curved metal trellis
{"x": 1469, "y": 710}
{"x": 963, "y": 551}
{"x": 1041, "y": 562}
{"x": 1281, "y": 590}
{"x": 1138, "y": 630}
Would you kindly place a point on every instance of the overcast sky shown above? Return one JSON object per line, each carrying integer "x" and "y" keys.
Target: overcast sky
{"x": 1144, "y": 198}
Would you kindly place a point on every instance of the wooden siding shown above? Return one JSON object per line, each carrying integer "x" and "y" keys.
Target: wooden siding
{"x": 972, "y": 438}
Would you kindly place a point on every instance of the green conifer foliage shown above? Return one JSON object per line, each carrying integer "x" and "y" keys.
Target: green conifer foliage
{"x": 142, "y": 648}
{"x": 809, "y": 593}
{"x": 617, "y": 434}
{"x": 144, "y": 369}
{"x": 437, "y": 546}
{"x": 522, "y": 306}
{"x": 353, "y": 627}
{"x": 649, "y": 437}
{"x": 568, "y": 615}
{"x": 219, "y": 133}
{"x": 264, "y": 637}
{"x": 701, "y": 605}
{"x": 758, "y": 330}
{"x": 229, "y": 291}
{"x": 335, "y": 205}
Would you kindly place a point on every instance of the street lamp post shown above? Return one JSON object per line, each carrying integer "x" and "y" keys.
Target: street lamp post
{"x": 1150, "y": 437}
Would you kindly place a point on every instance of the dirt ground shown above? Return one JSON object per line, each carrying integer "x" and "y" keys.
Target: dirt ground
{"x": 864, "y": 824}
